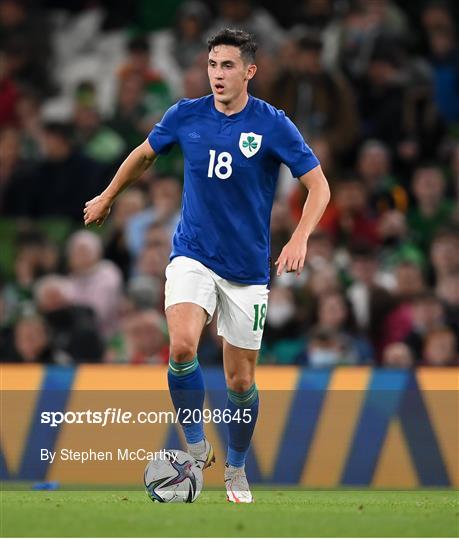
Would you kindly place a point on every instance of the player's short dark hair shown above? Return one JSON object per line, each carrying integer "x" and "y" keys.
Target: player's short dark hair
{"x": 244, "y": 41}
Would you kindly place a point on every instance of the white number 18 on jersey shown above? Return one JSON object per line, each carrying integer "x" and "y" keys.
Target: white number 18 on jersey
{"x": 223, "y": 168}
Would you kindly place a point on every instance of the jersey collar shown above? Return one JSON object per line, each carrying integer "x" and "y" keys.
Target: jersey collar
{"x": 234, "y": 116}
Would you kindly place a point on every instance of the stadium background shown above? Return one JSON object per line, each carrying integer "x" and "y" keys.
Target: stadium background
{"x": 374, "y": 88}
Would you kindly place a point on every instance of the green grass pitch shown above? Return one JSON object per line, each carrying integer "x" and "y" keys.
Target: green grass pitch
{"x": 275, "y": 513}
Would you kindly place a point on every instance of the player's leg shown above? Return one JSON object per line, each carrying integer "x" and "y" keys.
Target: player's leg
{"x": 241, "y": 317}
{"x": 190, "y": 302}
{"x": 239, "y": 365}
{"x": 242, "y": 402}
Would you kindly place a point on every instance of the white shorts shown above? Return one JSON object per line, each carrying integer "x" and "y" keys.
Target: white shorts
{"x": 241, "y": 308}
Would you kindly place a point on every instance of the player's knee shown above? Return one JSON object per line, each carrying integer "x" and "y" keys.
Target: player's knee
{"x": 182, "y": 349}
{"x": 239, "y": 382}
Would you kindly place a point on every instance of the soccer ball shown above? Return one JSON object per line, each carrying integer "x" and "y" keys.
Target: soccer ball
{"x": 173, "y": 480}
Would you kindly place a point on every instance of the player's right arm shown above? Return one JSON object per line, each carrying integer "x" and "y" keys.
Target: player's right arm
{"x": 96, "y": 210}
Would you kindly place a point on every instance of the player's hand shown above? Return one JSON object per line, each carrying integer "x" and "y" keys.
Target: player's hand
{"x": 292, "y": 255}
{"x": 97, "y": 210}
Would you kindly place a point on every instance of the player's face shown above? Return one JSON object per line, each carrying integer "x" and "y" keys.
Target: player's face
{"x": 228, "y": 73}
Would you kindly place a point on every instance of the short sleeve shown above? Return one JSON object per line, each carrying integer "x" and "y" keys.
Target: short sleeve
{"x": 164, "y": 135}
{"x": 290, "y": 148}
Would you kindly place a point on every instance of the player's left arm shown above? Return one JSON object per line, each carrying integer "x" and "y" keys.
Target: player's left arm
{"x": 293, "y": 253}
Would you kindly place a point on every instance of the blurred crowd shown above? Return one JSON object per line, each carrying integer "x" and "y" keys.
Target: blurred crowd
{"x": 373, "y": 85}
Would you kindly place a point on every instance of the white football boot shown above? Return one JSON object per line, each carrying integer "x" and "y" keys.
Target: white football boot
{"x": 237, "y": 487}
{"x": 203, "y": 453}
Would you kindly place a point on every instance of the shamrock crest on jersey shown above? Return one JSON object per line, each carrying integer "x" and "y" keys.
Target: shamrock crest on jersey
{"x": 249, "y": 144}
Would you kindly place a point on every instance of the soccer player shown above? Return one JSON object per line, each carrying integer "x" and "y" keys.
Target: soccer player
{"x": 233, "y": 145}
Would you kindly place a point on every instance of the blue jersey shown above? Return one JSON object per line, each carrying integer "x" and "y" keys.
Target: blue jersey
{"x": 231, "y": 168}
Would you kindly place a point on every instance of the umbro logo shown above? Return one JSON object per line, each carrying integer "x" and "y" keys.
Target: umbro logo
{"x": 194, "y": 135}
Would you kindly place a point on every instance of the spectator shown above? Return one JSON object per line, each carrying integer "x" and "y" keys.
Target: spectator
{"x": 253, "y": 19}
{"x": 282, "y": 333}
{"x": 193, "y": 19}
{"x": 131, "y": 117}
{"x": 98, "y": 141}
{"x": 145, "y": 292}
{"x": 32, "y": 343}
{"x": 35, "y": 255}
{"x": 25, "y": 38}
{"x": 65, "y": 179}
{"x": 94, "y": 281}
{"x": 397, "y": 245}
{"x": 320, "y": 249}
{"x": 432, "y": 210}
{"x": 73, "y": 327}
{"x": 381, "y": 97}
{"x": 454, "y": 171}
{"x": 5, "y": 328}
{"x": 447, "y": 290}
{"x": 319, "y": 256}
{"x": 444, "y": 253}
{"x": 145, "y": 339}
{"x": 371, "y": 303}
{"x": 297, "y": 195}
{"x": 326, "y": 156}
{"x": 15, "y": 175}
{"x": 268, "y": 68}
{"x": 428, "y": 314}
{"x": 398, "y": 356}
{"x": 322, "y": 279}
{"x": 281, "y": 312}
{"x": 30, "y": 123}
{"x": 126, "y": 206}
{"x": 334, "y": 313}
{"x": 165, "y": 197}
{"x": 157, "y": 96}
{"x": 319, "y": 271}
{"x": 435, "y": 14}
{"x": 410, "y": 280}
{"x": 195, "y": 82}
{"x": 409, "y": 283}
{"x": 424, "y": 129}
{"x": 363, "y": 26}
{"x": 313, "y": 15}
{"x": 440, "y": 348}
{"x": 328, "y": 349}
{"x": 9, "y": 94}
{"x": 444, "y": 60}
{"x": 133, "y": 120}
{"x": 348, "y": 219}
{"x": 374, "y": 169}
{"x": 154, "y": 258}
{"x": 319, "y": 102}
